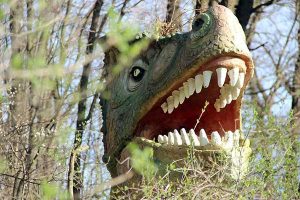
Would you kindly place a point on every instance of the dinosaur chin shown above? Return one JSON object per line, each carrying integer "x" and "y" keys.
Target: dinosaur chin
{"x": 201, "y": 109}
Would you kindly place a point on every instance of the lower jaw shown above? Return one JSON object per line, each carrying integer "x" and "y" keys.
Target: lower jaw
{"x": 235, "y": 159}
{"x": 186, "y": 139}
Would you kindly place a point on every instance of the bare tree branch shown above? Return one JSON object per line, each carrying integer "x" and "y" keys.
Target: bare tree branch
{"x": 74, "y": 173}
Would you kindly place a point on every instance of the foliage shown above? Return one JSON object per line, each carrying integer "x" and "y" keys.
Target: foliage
{"x": 142, "y": 160}
{"x": 120, "y": 35}
{"x": 52, "y": 191}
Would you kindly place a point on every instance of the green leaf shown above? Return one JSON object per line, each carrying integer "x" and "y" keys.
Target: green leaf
{"x": 17, "y": 61}
{"x": 52, "y": 191}
{"x": 142, "y": 160}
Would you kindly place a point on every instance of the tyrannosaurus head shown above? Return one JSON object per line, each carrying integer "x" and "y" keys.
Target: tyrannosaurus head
{"x": 183, "y": 90}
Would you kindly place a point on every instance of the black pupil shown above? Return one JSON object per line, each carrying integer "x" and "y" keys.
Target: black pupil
{"x": 137, "y": 73}
{"x": 198, "y": 24}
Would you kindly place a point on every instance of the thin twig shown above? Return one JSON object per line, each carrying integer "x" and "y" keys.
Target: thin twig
{"x": 202, "y": 111}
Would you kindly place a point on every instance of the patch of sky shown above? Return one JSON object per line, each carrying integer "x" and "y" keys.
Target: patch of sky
{"x": 272, "y": 31}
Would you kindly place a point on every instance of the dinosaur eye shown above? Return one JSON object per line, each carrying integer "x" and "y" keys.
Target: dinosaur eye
{"x": 137, "y": 73}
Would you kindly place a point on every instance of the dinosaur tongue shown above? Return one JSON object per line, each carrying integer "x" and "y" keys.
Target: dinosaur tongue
{"x": 210, "y": 100}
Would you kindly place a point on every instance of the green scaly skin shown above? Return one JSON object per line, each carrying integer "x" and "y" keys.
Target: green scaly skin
{"x": 167, "y": 62}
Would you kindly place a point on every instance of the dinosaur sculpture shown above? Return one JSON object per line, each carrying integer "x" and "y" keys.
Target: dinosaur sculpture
{"x": 157, "y": 101}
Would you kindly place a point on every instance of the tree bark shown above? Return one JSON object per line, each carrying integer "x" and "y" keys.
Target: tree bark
{"x": 244, "y": 9}
{"x": 201, "y": 6}
{"x": 296, "y": 89}
{"x": 174, "y": 14}
{"x": 229, "y": 4}
{"x": 296, "y": 79}
{"x": 13, "y": 90}
{"x": 74, "y": 173}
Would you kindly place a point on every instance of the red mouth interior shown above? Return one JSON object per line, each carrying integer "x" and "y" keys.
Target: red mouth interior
{"x": 156, "y": 122}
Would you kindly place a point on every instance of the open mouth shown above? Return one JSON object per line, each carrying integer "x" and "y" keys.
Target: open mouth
{"x": 202, "y": 109}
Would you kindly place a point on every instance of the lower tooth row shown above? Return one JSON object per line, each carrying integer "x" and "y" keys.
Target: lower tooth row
{"x": 175, "y": 138}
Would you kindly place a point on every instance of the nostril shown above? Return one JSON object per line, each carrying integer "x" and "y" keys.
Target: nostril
{"x": 201, "y": 26}
{"x": 198, "y": 23}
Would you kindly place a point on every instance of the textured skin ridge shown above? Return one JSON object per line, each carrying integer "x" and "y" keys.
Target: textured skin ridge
{"x": 167, "y": 62}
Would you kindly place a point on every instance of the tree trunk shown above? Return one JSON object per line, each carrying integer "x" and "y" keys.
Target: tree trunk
{"x": 174, "y": 14}
{"x": 296, "y": 80}
{"x": 74, "y": 173}
{"x": 244, "y": 9}
{"x": 201, "y": 5}
{"x": 296, "y": 90}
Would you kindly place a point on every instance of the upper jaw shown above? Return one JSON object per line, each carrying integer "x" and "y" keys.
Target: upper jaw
{"x": 230, "y": 77}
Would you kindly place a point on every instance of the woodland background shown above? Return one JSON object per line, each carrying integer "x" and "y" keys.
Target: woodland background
{"x": 50, "y": 81}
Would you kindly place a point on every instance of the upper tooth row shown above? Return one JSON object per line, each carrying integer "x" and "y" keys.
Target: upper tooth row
{"x": 236, "y": 78}
{"x": 229, "y": 141}
{"x": 193, "y": 85}
{"x": 186, "y": 90}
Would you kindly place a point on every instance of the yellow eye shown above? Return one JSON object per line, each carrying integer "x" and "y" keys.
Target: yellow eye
{"x": 137, "y": 73}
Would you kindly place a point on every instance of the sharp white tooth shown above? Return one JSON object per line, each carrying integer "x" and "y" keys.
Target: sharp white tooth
{"x": 236, "y": 138}
{"x": 206, "y": 78}
{"x": 223, "y": 90}
{"x": 175, "y": 94}
{"x": 198, "y": 83}
{"x": 217, "y": 105}
{"x": 228, "y": 97}
{"x": 216, "y": 138}
{"x": 191, "y": 83}
{"x": 230, "y": 136}
{"x": 164, "y": 107}
{"x": 171, "y": 138}
{"x": 166, "y": 139}
{"x": 221, "y": 73}
{"x": 235, "y": 91}
{"x": 181, "y": 95}
{"x": 228, "y": 143}
{"x": 227, "y": 135}
{"x": 233, "y": 75}
{"x": 184, "y": 136}
{"x": 226, "y": 93}
{"x": 170, "y": 101}
{"x": 161, "y": 139}
{"x": 237, "y": 132}
{"x": 223, "y": 102}
{"x": 194, "y": 138}
{"x": 203, "y": 138}
{"x": 240, "y": 82}
{"x": 177, "y": 138}
{"x": 186, "y": 89}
